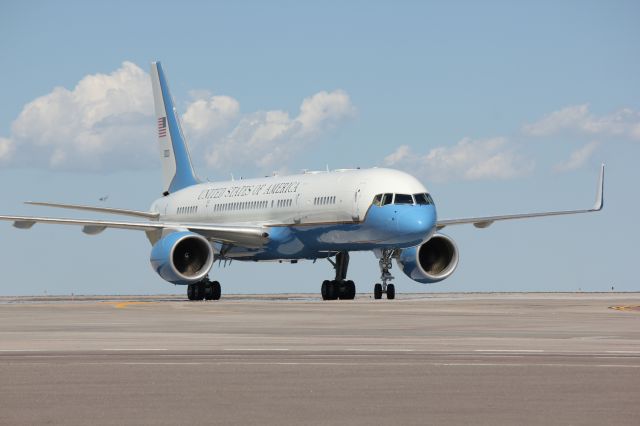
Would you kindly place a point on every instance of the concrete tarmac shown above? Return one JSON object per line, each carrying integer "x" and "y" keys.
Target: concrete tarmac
{"x": 494, "y": 359}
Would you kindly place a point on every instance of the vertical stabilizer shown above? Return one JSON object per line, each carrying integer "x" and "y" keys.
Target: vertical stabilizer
{"x": 177, "y": 171}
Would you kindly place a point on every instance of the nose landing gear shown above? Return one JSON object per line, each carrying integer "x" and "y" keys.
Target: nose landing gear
{"x": 385, "y": 276}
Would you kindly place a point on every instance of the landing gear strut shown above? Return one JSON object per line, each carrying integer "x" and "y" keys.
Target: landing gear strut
{"x": 204, "y": 290}
{"x": 385, "y": 276}
{"x": 340, "y": 287}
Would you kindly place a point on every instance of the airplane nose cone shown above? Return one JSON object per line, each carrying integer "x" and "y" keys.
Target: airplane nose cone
{"x": 417, "y": 221}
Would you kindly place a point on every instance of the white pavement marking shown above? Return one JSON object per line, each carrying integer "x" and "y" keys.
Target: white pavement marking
{"x": 359, "y": 364}
{"x": 256, "y": 349}
{"x": 132, "y": 349}
{"x": 378, "y": 350}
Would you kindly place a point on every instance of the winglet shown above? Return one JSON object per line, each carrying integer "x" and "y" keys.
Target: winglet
{"x": 600, "y": 194}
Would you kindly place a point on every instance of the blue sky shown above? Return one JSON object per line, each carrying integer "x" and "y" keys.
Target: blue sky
{"x": 499, "y": 107}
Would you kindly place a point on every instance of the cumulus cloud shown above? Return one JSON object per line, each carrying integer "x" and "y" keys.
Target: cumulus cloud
{"x": 401, "y": 154}
{"x": 6, "y": 149}
{"x": 269, "y": 138}
{"x": 106, "y": 122}
{"x": 323, "y": 111}
{"x": 103, "y": 117}
{"x": 207, "y": 116}
{"x": 468, "y": 159}
{"x": 578, "y": 158}
{"x": 578, "y": 119}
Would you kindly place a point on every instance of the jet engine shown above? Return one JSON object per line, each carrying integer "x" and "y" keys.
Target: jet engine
{"x": 431, "y": 261}
{"x": 182, "y": 257}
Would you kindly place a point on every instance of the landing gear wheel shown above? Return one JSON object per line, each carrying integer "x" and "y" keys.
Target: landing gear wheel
{"x": 351, "y": 290}
{"x": 332, "y": 290}
{"x": 191, "y": 291}
{"x": 212, "y": 290}
{"x": 377, "y": 291}
{"x": 216, "y": 290}
{"x": 196, "y": 291}
{"x": 391, "y": 291}
{"x": 324, "y": 290}
{"x": 208, "y": 291}
{"x": 343, "y": 290}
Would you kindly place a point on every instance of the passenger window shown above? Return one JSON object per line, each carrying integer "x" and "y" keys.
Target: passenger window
{"x": 403, "y": 199}
{"x": 387, "y": 199}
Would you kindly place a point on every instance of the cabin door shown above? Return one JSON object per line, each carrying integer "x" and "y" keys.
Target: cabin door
{"x": 360, "y": 206}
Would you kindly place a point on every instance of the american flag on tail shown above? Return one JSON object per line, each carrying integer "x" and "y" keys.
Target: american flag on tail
{"x": 162, "y": 127}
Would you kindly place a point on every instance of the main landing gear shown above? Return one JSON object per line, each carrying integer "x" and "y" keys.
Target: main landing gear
{"x": 204, "y": 290}
{"x": 385, "y": 275}
{"x": 340, "y": 287}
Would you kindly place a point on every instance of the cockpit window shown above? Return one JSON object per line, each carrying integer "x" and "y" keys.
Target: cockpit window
{"x": 423, "y": 199}
{"x": 419, "y": 199}
{"x": 404, "y": 199}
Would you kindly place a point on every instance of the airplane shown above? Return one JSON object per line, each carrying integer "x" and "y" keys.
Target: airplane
{"x": 308, "y": 216}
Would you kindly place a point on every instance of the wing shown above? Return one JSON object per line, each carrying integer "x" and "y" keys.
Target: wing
{"x": 108, "y": 210}
{"x": 484, "y": 222}
{"x": 246, "y": 236}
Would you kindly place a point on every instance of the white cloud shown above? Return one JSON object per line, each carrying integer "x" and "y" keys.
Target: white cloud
{"x": 578, "y": 119}
{"x": 106, "y": 123}
{"x": 402, "y": 153}
{"x": 324, "y": 110}
{"x": 269, "y": 138}
{"x": 209, "y": 115}
{"x": 102, "y": 122}
{"x": 578, "y": 158}
{"x": 469, "y": 159}
{"x": 6, "y": 149}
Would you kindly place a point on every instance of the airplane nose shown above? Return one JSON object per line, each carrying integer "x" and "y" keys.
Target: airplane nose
{"x": 418, "y": 221}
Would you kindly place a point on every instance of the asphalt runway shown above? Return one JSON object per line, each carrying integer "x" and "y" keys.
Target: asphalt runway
{"x": 494, "y": 359}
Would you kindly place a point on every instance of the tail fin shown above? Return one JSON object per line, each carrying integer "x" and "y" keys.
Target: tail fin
{"x": 177, "y": 171}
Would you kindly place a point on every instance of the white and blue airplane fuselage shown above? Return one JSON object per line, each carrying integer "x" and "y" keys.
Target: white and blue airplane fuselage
{"x": 313, "y": 215}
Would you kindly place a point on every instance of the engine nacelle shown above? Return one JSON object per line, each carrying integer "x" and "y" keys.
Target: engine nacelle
{"x": 431, "y": 261}
{"x": 182, "y": 257}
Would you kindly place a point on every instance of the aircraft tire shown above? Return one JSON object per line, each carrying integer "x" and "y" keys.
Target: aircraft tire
{"x": 208, "y": 291}
{"x": 199, "y": 291}
{"x": 191, "y": 292}
{"x": 343, "y": 290}
{"x": 332, "y": 290}
{"x": 391, "y": 292}
{"x": 324, "y": 290}
{"x": 216, "y": 289}
{"x": 351, "y": 290}
{"x": 377, "y": 291}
